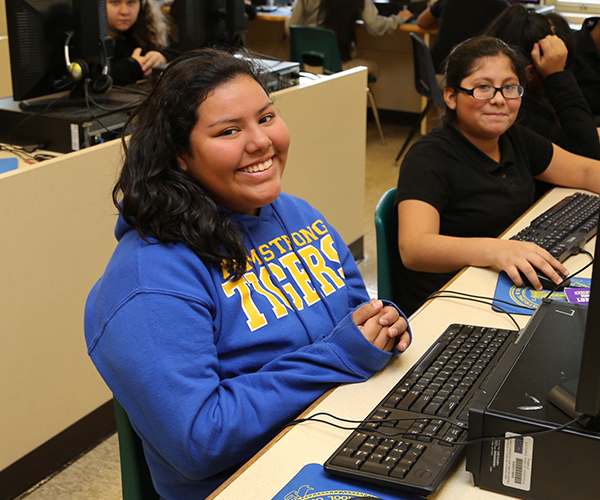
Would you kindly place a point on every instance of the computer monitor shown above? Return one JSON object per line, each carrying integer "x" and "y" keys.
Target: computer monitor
{"x": 202, "y": 23}
{"x": 390, "y": 7}
{"x": 46, "y": 35}
{"x": 582, "y": 396}
{"x": 588, "y": 391}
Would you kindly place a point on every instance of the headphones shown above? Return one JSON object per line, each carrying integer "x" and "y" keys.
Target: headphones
{"x": 80, "y": 71}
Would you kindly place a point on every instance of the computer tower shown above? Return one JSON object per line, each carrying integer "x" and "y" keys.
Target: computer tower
{"x": 63, "y": 128}
{"x": 540, "y": 463}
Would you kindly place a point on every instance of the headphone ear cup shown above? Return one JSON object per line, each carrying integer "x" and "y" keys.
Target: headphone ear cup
{"x": 102, "y": 84}
{"x": 79, "y": 70}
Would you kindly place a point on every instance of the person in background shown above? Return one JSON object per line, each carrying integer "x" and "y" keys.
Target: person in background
{"x": 463, "y": 184}
{"x": 587, "y": 63}
{"x": 250, "y": 9}
{"x": 341, "y": 16}
{"x": 553, "y": 105}
{"x": 457, "y": 20}
{"x": 228, "y": 307}
{"x": 142, "y": 39}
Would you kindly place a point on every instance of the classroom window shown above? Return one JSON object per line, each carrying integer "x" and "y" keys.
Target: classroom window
{"x": 584, "y": 8}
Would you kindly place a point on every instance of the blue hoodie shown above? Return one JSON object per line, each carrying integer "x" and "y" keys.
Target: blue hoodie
{"x": 209, "y": 370}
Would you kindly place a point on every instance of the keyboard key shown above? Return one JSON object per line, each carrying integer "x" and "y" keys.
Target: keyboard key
{"x": 421, "y": 403}
{"x": 396, "y": 454}
{"x": 382, "y": 469}
{"x": 446, "y": 409}
{"x": 408, "y": 400}
{"x": 432, "y": 408}
{"x": 347, "y": 462}
{"x": 399, "y": 471}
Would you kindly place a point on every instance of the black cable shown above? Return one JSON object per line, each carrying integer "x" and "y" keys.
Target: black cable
{"x": 89, "y": 108}
{"x": 25, "y": 155}
{"x": 131, "y": 90}
{"x": 367, "y": 421}
{"x": 44, "y": 156}
{"x": 491, "y": 299}
{"x": 111, "y": 109}
{"x": 17, "y": 151}
{"x": 415, "y": 419}
{"x": 493, "y": 302}
{"x": 478, "y": 298}
{"x": 575, "y": 273}
{"x": 528, "y": 434}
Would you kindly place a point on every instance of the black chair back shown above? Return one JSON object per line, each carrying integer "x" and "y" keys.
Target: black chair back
{"x": 426, "y": 81}
{"x": 426, "y": 84}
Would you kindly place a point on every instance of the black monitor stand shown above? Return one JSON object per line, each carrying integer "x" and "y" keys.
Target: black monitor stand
{"x": 564, "y": 397}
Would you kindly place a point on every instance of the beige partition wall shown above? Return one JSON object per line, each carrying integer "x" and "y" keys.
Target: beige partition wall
{"x": 5, "y": 82}
{"x": 56, "y": 229}
{"x": 56, "y": 223}
{"x": 326, "y": 165}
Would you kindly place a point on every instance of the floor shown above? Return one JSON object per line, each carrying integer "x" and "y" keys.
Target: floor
{"x": 96, "y": 475}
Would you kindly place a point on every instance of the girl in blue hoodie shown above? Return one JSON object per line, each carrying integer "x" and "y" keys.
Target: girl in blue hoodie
{"x": 227, "y": 307}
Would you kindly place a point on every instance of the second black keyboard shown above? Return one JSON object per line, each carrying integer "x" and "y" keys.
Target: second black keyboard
{"x": 411, "y": 440}
{"x": 564, "y": 228}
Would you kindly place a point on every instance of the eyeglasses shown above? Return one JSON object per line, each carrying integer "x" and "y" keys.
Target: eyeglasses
{"x": 486, "y": 92}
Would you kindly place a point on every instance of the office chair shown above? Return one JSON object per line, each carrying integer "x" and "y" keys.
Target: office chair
{"x": 426, "y": 84}
{"x": 388, "y": 255}
{"x": 136, "y": 482}
{"x": 318, "y": 47}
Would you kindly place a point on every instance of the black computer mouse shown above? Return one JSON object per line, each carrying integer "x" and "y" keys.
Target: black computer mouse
{"x": 547, "y": 283}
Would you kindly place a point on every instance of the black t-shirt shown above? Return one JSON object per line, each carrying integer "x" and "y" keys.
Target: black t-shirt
{"x": 562, "y": 115}
{"x": 587, "y": 65}
{"x": 475, "y": 195}
{"x": 459, "y": 20}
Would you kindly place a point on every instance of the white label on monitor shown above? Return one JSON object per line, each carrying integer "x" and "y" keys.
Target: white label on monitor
{"x": 518, "y": 459}
{"x": 74, "y": 137}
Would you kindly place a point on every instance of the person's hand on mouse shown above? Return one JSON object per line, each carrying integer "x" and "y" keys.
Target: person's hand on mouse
{"x": 382, "y": 325}
{"x": 513, "y": 256}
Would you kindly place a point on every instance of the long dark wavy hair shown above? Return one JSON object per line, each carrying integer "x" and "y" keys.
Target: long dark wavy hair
{"x": 157, "y": 197}
{"x": 341, "y": 16}
{"x": 466, "y": 57}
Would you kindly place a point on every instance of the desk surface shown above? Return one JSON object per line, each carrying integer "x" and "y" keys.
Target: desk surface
{"x": 282, "y": 459}
{"x": 14, "y": 157}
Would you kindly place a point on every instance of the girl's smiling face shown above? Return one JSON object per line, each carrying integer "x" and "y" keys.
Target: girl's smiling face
{"x": 482, "y": 121}
{"x": 238, "y": 146}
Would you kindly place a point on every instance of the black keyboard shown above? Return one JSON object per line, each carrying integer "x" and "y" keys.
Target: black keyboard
{"x": 411, "y": 440}
{"x": 566, "y": 227}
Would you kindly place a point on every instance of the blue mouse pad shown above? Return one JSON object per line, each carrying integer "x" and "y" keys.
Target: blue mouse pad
{"x": 8, "y": 164}
{"x": 529, "y": 297}
{"x": 313, "y": 483}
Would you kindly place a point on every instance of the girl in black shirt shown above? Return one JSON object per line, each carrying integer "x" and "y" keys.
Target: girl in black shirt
{"x": 464, "y": 183}
{"x": 142, "y": 39}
